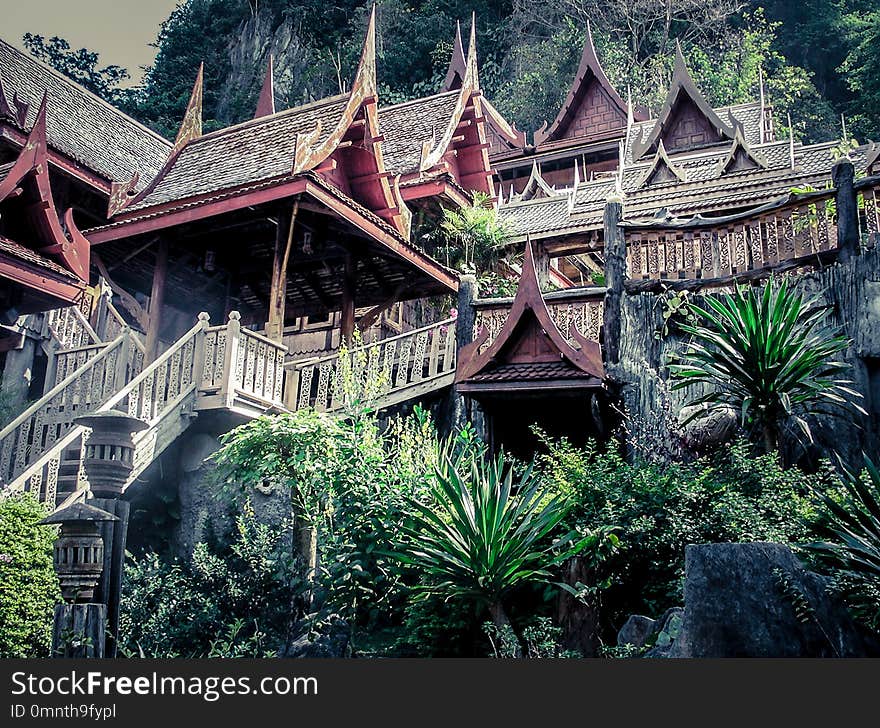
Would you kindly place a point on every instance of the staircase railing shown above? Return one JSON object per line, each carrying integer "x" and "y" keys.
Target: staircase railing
{"x": 157, "y": 392}
{"x": 48, "y": 419}
{"x": 71, "y": 328}
{"x": 386, "y": 372}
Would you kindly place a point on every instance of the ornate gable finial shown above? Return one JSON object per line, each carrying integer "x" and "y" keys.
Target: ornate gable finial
{"x": 191, "y": 127}
{"x": 457, "y": 64}
{"x": 266, "y": 102}
{"x": 33, "y": 157}
{"x": 471, "y": 75}
{"x": 365, "y": 76}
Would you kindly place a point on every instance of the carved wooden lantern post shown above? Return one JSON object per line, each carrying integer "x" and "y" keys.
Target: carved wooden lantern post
{"x": 80, "y": 624}
{"x": 109, "y": 454}
{"x": 79, "y": 550}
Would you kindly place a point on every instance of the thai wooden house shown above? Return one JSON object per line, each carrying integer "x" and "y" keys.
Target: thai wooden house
{"x": 197, "y": 283}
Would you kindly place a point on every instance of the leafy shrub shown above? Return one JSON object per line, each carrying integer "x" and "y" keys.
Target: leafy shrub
{"x": 28, "y": 585}
{"x": 732, "y": 496}
{"x": 224, "y": 602}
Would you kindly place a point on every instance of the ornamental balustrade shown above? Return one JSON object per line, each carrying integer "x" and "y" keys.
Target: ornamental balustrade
{"x": 582, "y": 307}
{"x": 383, "y": 373}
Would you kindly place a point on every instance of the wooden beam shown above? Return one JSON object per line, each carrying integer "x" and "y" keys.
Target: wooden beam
{"x": 157, "y": 301}
{"x": 370, "y": 317}
{"x": 278, "y": 291}
{"x": 128, "y": 302}
{"x": 349, "y": 286}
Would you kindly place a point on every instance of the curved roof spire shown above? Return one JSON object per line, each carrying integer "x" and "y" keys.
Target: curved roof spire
{"x": 266, "y": 102}
{"x": 590, "y": 74}
{"x": 457, "y": 64}
{"x": 684, "y": 100}
{"x": 191, "y": 126}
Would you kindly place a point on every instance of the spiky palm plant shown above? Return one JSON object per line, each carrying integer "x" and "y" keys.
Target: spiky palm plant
{"x": 478, "y": 231}
{"x": 480, "y": 535}
{"x": 768, "y": 356}
{"x": 852, "y": 525}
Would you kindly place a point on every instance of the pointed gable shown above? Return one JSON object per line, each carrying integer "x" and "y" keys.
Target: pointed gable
{"x": 536, "y": 187}
{"x": 593, "y": 107}
{"x": 740, "y": 157}
{"x": 686, "y": 120}
{"x": 662, "y": 170}
{"x": 28, "y": 206}
{"x": 457, "y": 64}
{"x": 529, "y": 352}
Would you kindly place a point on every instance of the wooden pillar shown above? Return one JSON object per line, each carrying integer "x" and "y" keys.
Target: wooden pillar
{"x": 615, "y": 274}
{"x": 848, "y": 244}
{"x": 349, "y": 286}
{"x": 278, "y": 291}
{"x": 78, "y": 630}
{"x": 157, "y": 301}
{"x": 542, "y": 266}
{"x": 109, "y": 591}
{"x": 468, "y": 291}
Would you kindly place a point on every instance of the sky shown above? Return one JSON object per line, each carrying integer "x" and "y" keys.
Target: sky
{"x": 120, "y": 30}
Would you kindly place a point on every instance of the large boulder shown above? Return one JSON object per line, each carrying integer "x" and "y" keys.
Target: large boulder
{"x": 757, "y": 600}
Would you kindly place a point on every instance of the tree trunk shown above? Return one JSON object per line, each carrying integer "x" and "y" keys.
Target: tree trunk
{"x": 505, "y": 629}
{"x": 578, "y": 619}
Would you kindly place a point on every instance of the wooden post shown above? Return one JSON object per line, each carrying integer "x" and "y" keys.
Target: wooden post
{"x": 848, "y": 244}
{"x": 233, "y": 342}
{"x": 349, "y": 286}
{"x": 278, "y": 290}
{"x": 615, "y": 274}
{"x": 109, "y": 591}
{"x": 542, "y": 266}
{"x": 157, "y": 301}
{"x": 78, "y": 630}
{"x": 468, "y": 292}
{"x": 122, "y": 359}
{"x": 199, "y": 352}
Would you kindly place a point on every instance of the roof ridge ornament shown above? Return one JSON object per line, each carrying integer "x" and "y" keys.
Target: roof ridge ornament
{"x": 191, "y": 126}
{"x": 266, "y": 101}
{"x": 682, "y": 83}
{"x": 738, "y": 145}
{"x": 536, "y": 184}
{"x": 457, "y": 63}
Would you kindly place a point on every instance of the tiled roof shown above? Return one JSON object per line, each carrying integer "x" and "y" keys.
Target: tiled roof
{"x": 703, "y": 190}
{"x": 26, "y": 255}
{"x": 80, "y": 125}
{"x": 407, "y": 126}
{"x": 242, "y": 155}
{"x": 527, "y": 372}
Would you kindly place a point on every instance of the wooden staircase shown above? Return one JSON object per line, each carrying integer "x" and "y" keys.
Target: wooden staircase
{"x": 223, "y": 367}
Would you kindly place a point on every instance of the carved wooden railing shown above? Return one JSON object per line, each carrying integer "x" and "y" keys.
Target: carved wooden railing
{"x": 242, "y": 368}
{"x": 28, "y": 436}
{"x": 581, "y": 306}
{"x": 385, "y": 373}
{"x": 799, "y": 226}
{"x": 162, "y": 395}
{"x": 71, "y": 328}
{"x": 783, "y": 233}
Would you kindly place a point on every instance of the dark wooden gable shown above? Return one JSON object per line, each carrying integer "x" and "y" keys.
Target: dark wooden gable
{"x": 662, "y": 170}
{"x": 530, "y": 352}
{"x": 686, "y": 120}
{"x": 592, "y": 108}
{"x": 740, "y": 157}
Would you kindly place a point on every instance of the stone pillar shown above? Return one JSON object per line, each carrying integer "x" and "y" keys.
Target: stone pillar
{"x": 848, "y": 244}
{"x": 615, "y": 274}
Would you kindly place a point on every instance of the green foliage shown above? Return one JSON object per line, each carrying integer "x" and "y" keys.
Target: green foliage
{"x": 480, "y": 536}
{"x": 474, "y": 236}
{"x": 80, "y": 65}
{"x": 28, "y": 585}
{"x": 768, "y": 357}
{"x": 540, "y": 637}
{"x": 229, "y": 600}
{"x": 732, "y": 496}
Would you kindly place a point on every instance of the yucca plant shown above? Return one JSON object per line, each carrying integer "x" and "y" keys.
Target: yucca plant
{"x": 480, "y": 535}
{"x": 767, "y": 356}
{"x": 852, "y": 525}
